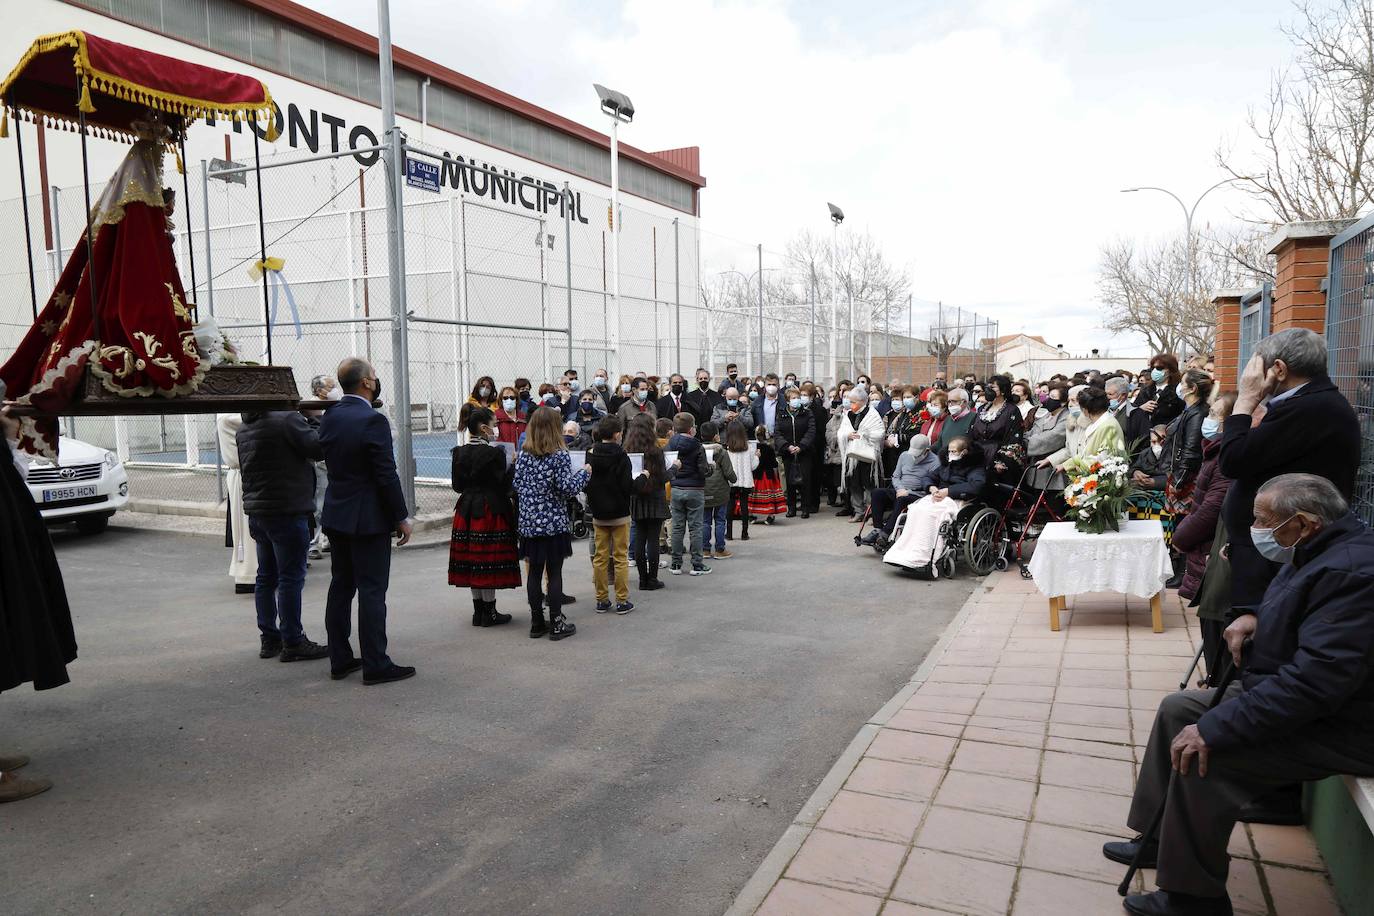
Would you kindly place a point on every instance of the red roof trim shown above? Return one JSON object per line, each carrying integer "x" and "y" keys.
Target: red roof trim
{"x": 331, "y": 28}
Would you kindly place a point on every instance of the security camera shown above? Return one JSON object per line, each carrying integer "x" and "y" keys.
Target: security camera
{"x": 836, "y": 213}
{"x": 615, "y": 104}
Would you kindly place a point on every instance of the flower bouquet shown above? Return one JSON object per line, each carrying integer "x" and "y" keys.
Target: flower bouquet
{"x": 1099, "y": 491}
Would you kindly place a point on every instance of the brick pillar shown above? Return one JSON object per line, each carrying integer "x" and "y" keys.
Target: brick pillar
{"x": 1303, "y": 252}
{"x": 1226, "y": 351}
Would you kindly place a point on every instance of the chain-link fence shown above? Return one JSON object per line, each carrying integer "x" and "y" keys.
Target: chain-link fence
{"x": 506, "y": 276}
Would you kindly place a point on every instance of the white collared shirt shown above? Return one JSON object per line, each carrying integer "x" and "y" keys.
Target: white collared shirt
{"x": 1286, "y": 395}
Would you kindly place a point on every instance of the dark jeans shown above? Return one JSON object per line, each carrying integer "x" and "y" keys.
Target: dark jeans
{"x": 798, "y": 470}
{"x": 282, "y": 542}
{"x": 358, "y": 564}
{"x": 738, "y": 508}
{"x": 534, "y": 580}
{"x": 713, "y": 521}
{"x": 885, "y": 499}
{"x": 644, "y": 545}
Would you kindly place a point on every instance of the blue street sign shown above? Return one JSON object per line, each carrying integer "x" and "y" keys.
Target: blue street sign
{"x": 423, "y": 175}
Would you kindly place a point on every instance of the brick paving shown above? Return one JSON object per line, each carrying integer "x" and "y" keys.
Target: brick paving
{"x": 989, "y": 783}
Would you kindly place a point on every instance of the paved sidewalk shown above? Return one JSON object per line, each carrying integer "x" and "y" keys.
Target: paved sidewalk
{"x": 989, "y": 783}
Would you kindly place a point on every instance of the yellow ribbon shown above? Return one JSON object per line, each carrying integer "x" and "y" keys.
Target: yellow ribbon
{"x": 275, "y": 264}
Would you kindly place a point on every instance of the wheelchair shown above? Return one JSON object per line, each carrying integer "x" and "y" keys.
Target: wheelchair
{"x": 976, "y": 535}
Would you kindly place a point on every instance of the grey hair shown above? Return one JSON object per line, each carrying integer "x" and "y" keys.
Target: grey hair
{"x": 351, "y": 373}
{"x": 957, "y": 394}
{"x": 321, "y": 383}
{"x": 857, "y": 393}
{"x": 1290, "y": 494}
{"x": 1115, "y": 383}
{"x": 1302, "y": 350}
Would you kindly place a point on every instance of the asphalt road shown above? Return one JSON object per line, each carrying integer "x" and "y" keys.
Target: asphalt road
{"x": 644, "y": 766}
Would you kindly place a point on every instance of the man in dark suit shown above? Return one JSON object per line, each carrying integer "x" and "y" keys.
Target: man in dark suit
{"x": 703, "y": 400}
{"x": 673, "y": 403}
{"x": 363, "y": 507}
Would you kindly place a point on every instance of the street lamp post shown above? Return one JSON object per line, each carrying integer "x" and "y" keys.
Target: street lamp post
{"x": 836, "y": 217}
{"x": 621, "y": 110}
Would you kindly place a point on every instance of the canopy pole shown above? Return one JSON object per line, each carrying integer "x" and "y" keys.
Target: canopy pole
{"x": 190, "y": 236}
{"x": 262, "y": 239}
{"x": 24, "y": 196}
{"x": 90, "y": 242}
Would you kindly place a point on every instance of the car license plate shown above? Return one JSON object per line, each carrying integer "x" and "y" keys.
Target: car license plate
{"x": 60, "y": 494}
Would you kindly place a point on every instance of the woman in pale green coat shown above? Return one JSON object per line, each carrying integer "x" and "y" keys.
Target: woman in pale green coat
{"x": 1100, "y": 431}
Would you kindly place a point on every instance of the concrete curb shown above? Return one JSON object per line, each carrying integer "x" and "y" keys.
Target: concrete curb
{"x": 756, "y": 889}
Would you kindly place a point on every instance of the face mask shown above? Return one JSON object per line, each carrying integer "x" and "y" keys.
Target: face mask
{"x": 1178, "y": 390}
{"x": 935, "y": 410}
{"x": 524, "y": 392}
{"x": 551, "y": 399}
{"x": 1269, "y": 547}
{"x": 586, "y": 406}
{"x": 599, "y": 381}
{"x": 567, "y": 440}
{"x": 806, "y": 400}
{"x": 753, "y": 395}
{"x": 1211, "y": 428}
{"x": 704, "y": 384}
{"x": 1157, "y": 448}
{"x": 1052, "y": 404}
{"x": 575, "y": 385}
{"x": 677, "y": 389}
{"x": 791, "y": 383}
{"x": 834, "y": 402}
{"x": 484, "y": 392}
{"x": 1113, "y": 403}
{"x": 335, "y": 394}
{"x": 772, "y": 390}
{"x": 795, "y": 403}
{"x": 1075, "y": 411}
{"x": 955, "y": 456}
{"x": 641, "y": 395}
{"x": 377, "y": 391}
{"x": 955, "y": 409}
{"x": 624, "y": 389}
{"x": 733, "y": 402}
{"x": 508, "y": 404}
{"x": 909, "y": 403}
{"x": 1158, "y": 375}
{"x": 733, "y": 376}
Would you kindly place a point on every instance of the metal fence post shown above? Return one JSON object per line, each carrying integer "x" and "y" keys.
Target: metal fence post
{"x": 677, "y": 296}
{"x": 568, "y": 201}
{"x": 209, "y": 265}
{"x": 761, "y": 308}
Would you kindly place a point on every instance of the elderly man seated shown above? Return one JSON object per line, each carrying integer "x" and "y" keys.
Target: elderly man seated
{"x": 915, "y": 474}
{"x": 1303, "y": 707}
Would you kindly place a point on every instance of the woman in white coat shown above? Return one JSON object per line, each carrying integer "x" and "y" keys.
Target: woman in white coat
{"x": 860, "y": 439}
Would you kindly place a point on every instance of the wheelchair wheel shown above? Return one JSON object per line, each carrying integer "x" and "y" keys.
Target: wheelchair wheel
{"x": 579, "y": 529}
{"x": 1000, "y": 564}
{"x": 947, "y": 566}
{"x": 980, "y": 541}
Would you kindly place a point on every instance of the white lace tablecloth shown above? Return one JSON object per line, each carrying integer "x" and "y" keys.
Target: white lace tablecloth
{"x": 1132, "y": 561}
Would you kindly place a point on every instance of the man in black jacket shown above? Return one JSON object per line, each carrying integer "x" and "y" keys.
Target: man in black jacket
{"x": 1303, "y": 709}
{"x": 703, "y": 400}
{"x": 277, "y": 455}
{"x": 674, "y": 402}
{"x": 794, "y": 436}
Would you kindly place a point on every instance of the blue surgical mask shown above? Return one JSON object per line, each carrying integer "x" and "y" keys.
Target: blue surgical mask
{"x": 935, "y": 410}
{"x": 1113, "y": 403}
{"x": 909, "y": 403}
{"x": 795, "y": 403}
{"x": 733, "y": 402}
{"x": 806, "y": 400}
{"x": 641, "y": 395}
{"x": 624, "y": 389}
{"x": 1075, "y": 411}
{"x": 575, "y": 385}
{"x": 753, "y": 395}
{"x": 1158, "y": 375}
{"x": 1178, "y": 390}
{"x": 1269, "y": 547}
{"x": 1211, "y": 428}
{"x": 508, "y": 404}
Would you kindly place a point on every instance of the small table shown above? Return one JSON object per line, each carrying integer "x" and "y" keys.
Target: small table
{"x": 1134, "y": 560}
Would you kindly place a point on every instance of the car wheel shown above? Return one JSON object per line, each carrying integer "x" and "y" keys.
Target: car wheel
{"x": 92, "y": 524}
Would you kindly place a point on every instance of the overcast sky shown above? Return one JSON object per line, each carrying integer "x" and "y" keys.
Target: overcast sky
{"x": 984, "y": 144}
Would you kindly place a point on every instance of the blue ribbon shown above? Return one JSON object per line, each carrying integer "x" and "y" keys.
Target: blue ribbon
{"x": 279, "y": 284}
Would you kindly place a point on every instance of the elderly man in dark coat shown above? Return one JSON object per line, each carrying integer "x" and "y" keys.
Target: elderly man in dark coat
{"x": 1303, "y": 708}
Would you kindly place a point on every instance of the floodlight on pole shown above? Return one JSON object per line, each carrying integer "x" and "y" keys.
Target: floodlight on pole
{"x": 619, "y": 108}
{"x": 836, "y": 217}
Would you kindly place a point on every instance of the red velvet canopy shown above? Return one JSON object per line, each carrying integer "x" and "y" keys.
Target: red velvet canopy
{"x": 116, "y": 84}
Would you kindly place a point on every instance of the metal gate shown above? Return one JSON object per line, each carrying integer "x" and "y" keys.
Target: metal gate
{"x": 1256, "y": 307}
{"x": 1350, "y": 342}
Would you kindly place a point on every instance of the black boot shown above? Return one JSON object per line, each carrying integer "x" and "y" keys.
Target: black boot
{"x": 643, "y": 568}
{"x": 560, "y": 627}
{"x": 479, "y": 612}
{"x": 493, "y": 617}
{"x": 1180, "y": 566}
{"x": 537, "y": 626}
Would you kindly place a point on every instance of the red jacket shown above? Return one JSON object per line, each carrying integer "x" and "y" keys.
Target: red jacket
{"x": 508, "y": 428}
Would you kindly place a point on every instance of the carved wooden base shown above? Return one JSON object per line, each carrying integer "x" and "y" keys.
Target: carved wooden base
{"x": 225, "y": 389}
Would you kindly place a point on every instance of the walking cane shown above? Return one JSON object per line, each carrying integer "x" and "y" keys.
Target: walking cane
{"x": 1183, "y": 684}
{"x": 1148, "y": 836}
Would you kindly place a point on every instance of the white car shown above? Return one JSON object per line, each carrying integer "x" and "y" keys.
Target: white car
{"x": 86, "y": 486}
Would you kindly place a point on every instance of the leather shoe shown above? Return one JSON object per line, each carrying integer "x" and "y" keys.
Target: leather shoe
{"x": 394, "y": 673}
{"x": 11, "y": 762}
{"x": 17, "y": 788}
{"x": 303, "y": 651}
{"x": 1166, "y": 903}
{"x": 338, "y": 674}
{"x": 1124, "y": 852}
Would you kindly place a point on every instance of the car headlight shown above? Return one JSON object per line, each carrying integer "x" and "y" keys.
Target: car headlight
{"x": 111, "y": 460}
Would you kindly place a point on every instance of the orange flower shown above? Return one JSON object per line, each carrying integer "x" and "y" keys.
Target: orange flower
{"x": 1097, "y": 466}
{"x": 1089, "y": 485}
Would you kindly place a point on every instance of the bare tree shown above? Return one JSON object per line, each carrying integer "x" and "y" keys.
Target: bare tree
{"x": 1164, "y": 291}
{"x": 945, "y": 340}
{"x": 878, "y": 287}
{"x": 1313, "y": 147}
